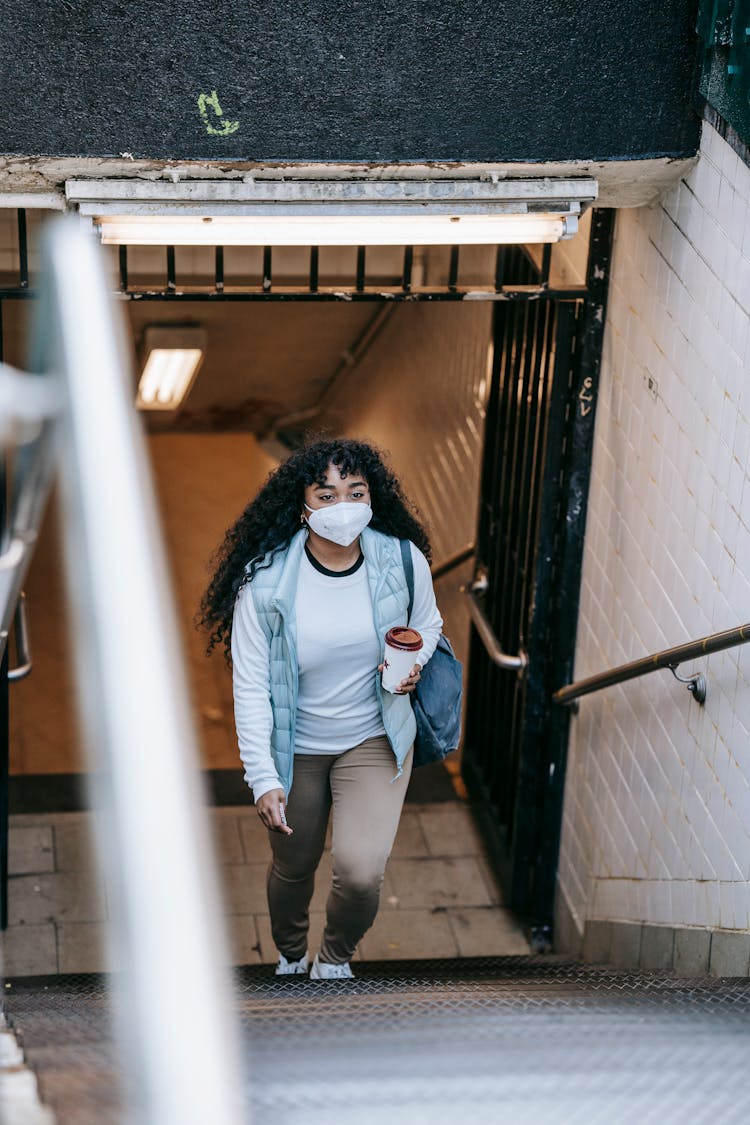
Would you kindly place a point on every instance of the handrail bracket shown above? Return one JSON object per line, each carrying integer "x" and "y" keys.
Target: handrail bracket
{"x": 696, "y": 683}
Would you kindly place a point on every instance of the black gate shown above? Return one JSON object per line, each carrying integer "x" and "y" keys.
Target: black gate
{"x": 537, "y": 455}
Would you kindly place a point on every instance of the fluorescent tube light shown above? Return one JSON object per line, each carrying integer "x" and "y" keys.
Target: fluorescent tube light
{"x": 173, "y": 356}
{"x": 333, "y": 230}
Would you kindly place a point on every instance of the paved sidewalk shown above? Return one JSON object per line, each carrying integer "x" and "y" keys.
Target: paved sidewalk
{"x": 439, "y": 899}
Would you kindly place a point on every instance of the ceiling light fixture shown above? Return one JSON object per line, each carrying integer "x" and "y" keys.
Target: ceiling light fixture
{"x": 334, "y": 212}
{"x": 333, "y": 230}
{"x": 174, "y": 354}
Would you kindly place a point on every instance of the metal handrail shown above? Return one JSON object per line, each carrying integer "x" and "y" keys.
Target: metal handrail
{"x": 174, "y": 1014}
{"x": 489, "y": 640}
{"x": 669, "y": 658}
{"x": 452, "y": 561}
{"x": 23, "y": 648}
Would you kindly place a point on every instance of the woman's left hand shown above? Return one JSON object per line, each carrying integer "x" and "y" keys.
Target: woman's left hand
{"x": 410, "y": 682}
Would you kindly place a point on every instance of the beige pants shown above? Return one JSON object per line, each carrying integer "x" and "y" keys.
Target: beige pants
{"x": 366, "y": 804}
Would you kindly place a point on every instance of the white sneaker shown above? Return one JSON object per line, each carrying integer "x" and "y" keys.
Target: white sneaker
{"x": 291, "y": 968}
{"x": 323, "y": 970}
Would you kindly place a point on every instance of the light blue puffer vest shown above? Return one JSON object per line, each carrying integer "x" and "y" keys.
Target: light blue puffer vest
{"x": 274, "y": 590}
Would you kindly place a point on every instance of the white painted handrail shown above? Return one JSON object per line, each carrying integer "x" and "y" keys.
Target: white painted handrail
{"x": 174, "y": 1007}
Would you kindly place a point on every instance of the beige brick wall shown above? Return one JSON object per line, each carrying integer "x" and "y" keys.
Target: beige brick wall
{"x": 203, "y": 481}
{"x": 657, "y": 808}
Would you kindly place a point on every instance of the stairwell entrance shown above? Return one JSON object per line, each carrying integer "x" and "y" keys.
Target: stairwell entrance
{"x": 537, "y": 444}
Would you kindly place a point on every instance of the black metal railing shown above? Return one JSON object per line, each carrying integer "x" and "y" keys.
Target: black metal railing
{"x": 505, "y": 284}
{"x": 452, "y": 561}
{"x": 669, "y": 658}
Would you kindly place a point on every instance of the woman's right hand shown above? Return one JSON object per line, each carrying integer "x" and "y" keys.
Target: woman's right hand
{"x": 272, "y": 811}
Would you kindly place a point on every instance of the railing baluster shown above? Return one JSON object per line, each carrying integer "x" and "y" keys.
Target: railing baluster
{"x": 408, "y": 260}
{"x": 171, "y": 276}
{"x": 453, "y": 269}
{"x": 123, "y": 263}
{"x": 499, "y": 268}
{"x": 23, "y": 250}
{"x": 546, "y": 262}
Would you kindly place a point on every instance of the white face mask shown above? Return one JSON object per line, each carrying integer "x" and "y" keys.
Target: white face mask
{"x": 340, "y": 523}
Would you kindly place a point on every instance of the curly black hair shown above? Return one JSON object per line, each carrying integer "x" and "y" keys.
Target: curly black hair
{"x": 271, "y": 520}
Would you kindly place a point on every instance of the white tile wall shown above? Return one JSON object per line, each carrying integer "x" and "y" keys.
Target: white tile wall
{"x": 420, "y": 394}
{"x": 657, "y": 808}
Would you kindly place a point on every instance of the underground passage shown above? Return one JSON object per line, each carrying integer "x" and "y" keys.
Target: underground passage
{"x": 507, "y": 247}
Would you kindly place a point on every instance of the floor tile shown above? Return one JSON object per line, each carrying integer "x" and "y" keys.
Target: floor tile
{"x": 227, "y": 842}
{"x": 59, "y": 897}
{"x": 487, "y": 932}
{"x": 243, "y": 888}
{"x": 410, "y": 842}
{"x": 450, "y": 830}
{"x": 438, "y": 882}
{"x": 29, "y": 951}
{"x": 30, "y": 850}
{"x": 409, "y": 933}
{"x": 82, "y": 948}
{"x": 242, "y": 935}
{"x": 254, "y": 836}
{"x": 74, "y": 848}
{"x": 35, "y": 820}
{"x": 489, "y": 878}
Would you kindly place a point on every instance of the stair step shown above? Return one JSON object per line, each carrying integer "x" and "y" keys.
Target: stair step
{"x": 540, "y": 1039}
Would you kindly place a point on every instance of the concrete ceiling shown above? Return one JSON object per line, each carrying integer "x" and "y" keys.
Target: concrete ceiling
{"x": 262, "y": 360}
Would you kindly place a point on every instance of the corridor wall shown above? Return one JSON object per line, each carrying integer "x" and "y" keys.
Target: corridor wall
{"x": 420, "y": 393}
{"x": 655, "y": 857}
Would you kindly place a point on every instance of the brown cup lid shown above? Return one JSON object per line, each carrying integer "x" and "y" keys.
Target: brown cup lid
{"x": 409, "y": 640}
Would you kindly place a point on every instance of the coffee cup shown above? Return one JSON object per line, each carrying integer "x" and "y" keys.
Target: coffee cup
{"x": 402, "y": 645}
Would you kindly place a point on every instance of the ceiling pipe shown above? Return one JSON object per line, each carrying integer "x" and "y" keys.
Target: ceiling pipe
{"x": 272, "y": 441}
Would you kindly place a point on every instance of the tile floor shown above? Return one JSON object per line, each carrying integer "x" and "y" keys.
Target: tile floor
{"x": 439, "y": 898}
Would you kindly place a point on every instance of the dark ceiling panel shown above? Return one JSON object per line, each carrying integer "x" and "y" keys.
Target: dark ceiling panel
{"x": 359, "y": 80}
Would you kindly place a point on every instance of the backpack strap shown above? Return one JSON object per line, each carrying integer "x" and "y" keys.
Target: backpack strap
{"x": 409, "y": 572}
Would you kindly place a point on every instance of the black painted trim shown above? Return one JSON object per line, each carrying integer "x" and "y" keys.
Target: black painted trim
{"x": 726, "y": 131}
{"x": 564, "y": 621}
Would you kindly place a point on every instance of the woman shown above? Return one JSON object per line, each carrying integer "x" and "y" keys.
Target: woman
{"x": 309, "y": 580}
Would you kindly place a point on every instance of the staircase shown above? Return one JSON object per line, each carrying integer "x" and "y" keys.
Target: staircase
{"x": 515, "y": 1039}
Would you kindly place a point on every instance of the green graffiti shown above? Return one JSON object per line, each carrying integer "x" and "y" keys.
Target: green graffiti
{"x": 211, "y": 101}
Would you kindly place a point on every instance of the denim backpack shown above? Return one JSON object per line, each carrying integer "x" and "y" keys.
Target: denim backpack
{"x": 437, "y": 698}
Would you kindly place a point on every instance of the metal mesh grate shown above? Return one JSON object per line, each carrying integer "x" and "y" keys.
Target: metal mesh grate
{"x": 506, "y": 1039}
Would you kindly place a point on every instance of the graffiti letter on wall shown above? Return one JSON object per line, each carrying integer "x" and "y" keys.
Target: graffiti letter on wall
{"x": 586, "y": 396}
{"x": 211, "y": 101}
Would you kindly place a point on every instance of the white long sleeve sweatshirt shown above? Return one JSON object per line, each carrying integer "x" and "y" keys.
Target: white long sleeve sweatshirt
{"x": 338, "y": 653}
